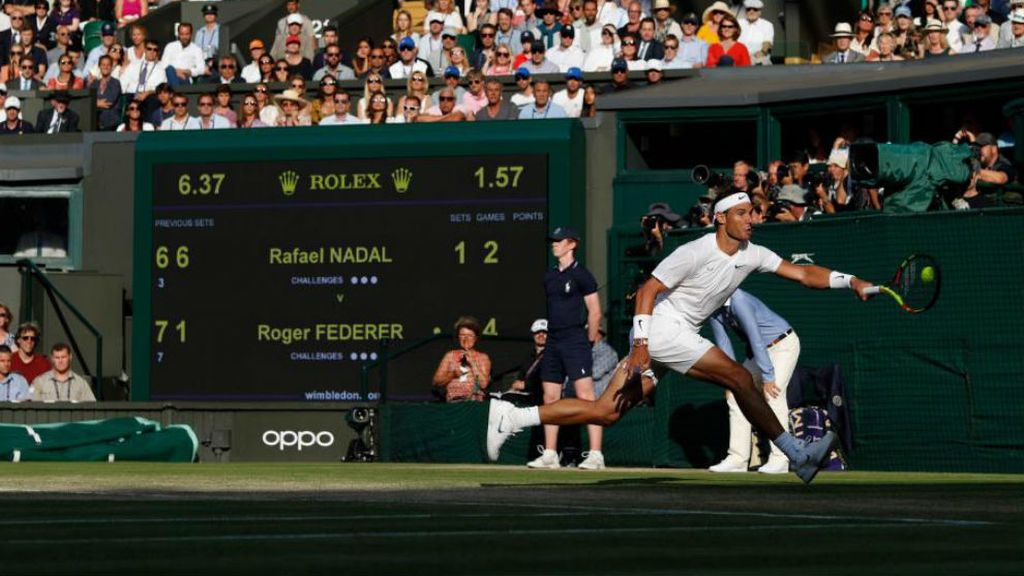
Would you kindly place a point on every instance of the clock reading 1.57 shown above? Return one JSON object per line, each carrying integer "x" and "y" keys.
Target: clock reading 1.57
{"x": 503, "y": 177}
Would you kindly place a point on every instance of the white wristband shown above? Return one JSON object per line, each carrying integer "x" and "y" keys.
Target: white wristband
{"x": 641, "y": 325}
{"x": 840, "y": 280}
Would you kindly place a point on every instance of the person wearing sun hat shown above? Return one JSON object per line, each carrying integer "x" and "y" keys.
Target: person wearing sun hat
{"x": 291, "y": 104}
{"x": 664, "y": 24}
{"x": 842, "y": 36}
{"x": 1016, "y": 39}
{"x": 712, "y": 18}
{"x": 756, "y": 33}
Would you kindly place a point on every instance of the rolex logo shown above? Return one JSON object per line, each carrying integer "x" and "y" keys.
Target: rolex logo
{"x": 402, "y": 178}
{"x": 289, "y": 180}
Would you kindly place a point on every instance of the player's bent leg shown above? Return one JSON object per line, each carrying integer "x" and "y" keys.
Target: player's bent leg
{"x": 714, "y": 366}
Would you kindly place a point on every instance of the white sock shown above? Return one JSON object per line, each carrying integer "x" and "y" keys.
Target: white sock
{"x": 526, "y": 417}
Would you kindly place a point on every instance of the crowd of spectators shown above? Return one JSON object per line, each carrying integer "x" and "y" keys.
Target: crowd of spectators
{"x": 26, "y": 375}
{"x": 136, "y": 84}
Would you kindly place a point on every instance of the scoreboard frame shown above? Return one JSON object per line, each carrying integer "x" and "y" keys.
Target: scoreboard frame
{"x": 560, "y": 141}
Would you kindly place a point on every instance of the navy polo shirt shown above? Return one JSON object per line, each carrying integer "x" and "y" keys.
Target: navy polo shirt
{"x": 565, "y": 290}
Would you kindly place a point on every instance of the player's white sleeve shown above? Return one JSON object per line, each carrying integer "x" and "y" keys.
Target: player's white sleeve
{"x": 767, "y": 261}
{"x": 673, "y": 270}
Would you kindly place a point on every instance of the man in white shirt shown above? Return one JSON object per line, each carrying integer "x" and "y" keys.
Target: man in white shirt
{"x": 107, "y": 39}
{"x": 567, "y": 54}
{"x": 1016, "y": 39}
{"x": 408, "y": 61}
{"x": 207, "y": 119}
{"x": 671, "y": 307}
{"x": 756, "y": 33}
{"x": 955, "y": 30}
{"x": 183, "y": 61}
{"x": 570, "y": 98}
{"x": 590, "y": 28}
{"x": 980, "y": 39}
{"x": 341, "y": 117}
{"x": 543, "y": 108}
{"x": 143, "y": 76}
{"x": 181, "y": 119}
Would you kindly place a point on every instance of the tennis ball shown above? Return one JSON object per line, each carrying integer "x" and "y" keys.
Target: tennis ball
{"x": 928, "y": 274}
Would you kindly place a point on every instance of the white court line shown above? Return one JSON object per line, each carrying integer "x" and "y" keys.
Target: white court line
{"x": 579, "y": 511}
{"x": 428, "y": 533}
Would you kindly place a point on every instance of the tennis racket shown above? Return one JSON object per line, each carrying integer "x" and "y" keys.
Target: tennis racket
{"x": 915, "y": 285}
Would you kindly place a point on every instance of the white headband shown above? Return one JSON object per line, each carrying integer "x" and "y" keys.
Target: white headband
{"x": 731, "y": 200}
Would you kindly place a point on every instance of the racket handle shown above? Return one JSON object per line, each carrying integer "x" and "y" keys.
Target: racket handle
{"x": 872, "y": 290}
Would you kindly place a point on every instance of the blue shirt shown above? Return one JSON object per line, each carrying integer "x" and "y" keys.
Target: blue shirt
{"x": 14, "y": 388}
{"x": 694, "y": 51}
{"x": 552, "y": 110}
{"x": 752, "y": 320}
{"x": 565, "y": 290}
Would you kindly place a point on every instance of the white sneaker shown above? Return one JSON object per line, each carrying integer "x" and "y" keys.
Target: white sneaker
{"x": 548, "y": 459}
{"x": 729, "y": 465}
{"x": 775, "y": 465}
{"x": 593, "y": 460}
{"x": 499, "y": 426}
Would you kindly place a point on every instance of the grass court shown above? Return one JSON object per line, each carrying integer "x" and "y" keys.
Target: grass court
{"x": 457, "y": 519}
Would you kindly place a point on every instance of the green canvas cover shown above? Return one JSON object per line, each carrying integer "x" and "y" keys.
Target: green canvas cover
{"x": 132, "y": 438}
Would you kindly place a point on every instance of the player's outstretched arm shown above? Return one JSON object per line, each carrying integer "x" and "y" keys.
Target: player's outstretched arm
{"x": 822, "y": 278}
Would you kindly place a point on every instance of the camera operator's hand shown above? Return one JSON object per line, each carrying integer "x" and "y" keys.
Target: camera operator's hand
{"x": 784, "y": 215}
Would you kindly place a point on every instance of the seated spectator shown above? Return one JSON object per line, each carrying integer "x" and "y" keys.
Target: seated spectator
{"x": 693, "y": 52}
{"x": 648, "y": 48}
{"x": 403, "y": 27}
{"x": 251, "y": 73}
{"x": 713, "y": 16}
{"x": 323, "y": 105}
{"x": 905, "y": 35}
{"x": 26, "y": 80}
{"x": 107, "y": 39}
{"x": 409, "y": 61}
{"x": 528, "y": 376}
{"x": 58, "y": 118}
{"x": 955, "y": 30}
{"x": 629, "y": 52}
{"x": 227, "y": 72}
{"x": 297, "y": 63}
{"x": 137, "y": 35}
{"x": 452, "y": 79}
{"x": 570, "y": 98}
{"x": 267, "y": 70}
{"x": 457, "y": 59}
{"x": 13, "y": 124}
{"x": 474, "y": 99}
{"x": 483, "y": 53}
{"x": 268, "y": 110}
{"x": 143, "y": 77}
{"x": 480, "y": 16}
{"x": 542, "y": 107}
{"x": 13, "y": 387}
{"x": 108, "y": 92}
{"x": 756, "y": 33}
{"x": 61, "y": 383}
{"x": 164, "y": 107}
{"x": 728, "y": 32}
{"x": 665, "y": 24}
{"x": 507, "y": 34}
{"x": 294, "y": 24}
{"x": 25, "y": 361}
{"x": 886, "y": 51}
{"x": 605, "y": 360}
{"x": 589, "y": 101}
{"x": 250, "y": 115}
{"x": 634, "y": 13}
{"x": 207, "y": 119}
{"x": 654, "y": 73}
{"x": 1016, "y": 36}
{"x": 431, "y": 44}
{"x": 378, "y": 64}
{"x": 44, "y": 24}
{"x": 599, "y": 58}
{"x": 497, "y": 107}
{"x": 992, "y": 168}
{"x": 341, "y": 116}
{"x": 620, "y": 77}
{"x": 935, "y": 42}
{"x": 181, "y": 119}
{"x": 526, "y": 40}
{"x": 290, "y": 105}
{"x": 980, "y": 39}
{"x": 445, "y": 12}
{"x": 223, "y": 105}
{"x": 133, "y": 119}
{"x": 128, "y": 11}
{"x": 6, "y": 337}
{"x": 524, "y": 97}
{"x": 183, "y": 60}
{"x": 409, "y": 110}
{"x": 60, "y": 48}
{"x": 417, "y": 86}
{"x": 34, "y": 50}
{"x": 864, "y": 35}
{"x": 502, "y": 65}
{"x": 373, "y": 83}
{"x": 566, "y": 54}
{"x": 446, "y": 109}
{"x": 464, "y": 373}
{"x": 538, "y": 62}
{"x": 281, "y": 71}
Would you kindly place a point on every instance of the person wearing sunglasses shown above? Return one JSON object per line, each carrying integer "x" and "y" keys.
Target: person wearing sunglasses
{"x": 333, "y": 67}
{"x": 566, "y": 54}
{"x": 323, "y": 105}
{"x": 342, "y": 115}
{"x": 756, "y": 33}
{"x": 483, "y": 52}
{"x": 227, "y": 71}
{"x": 143, "y": 77}
{"x": 65, "y": 79}
{"x": 417, "y": 86}
{"x": 502, "y": 63}
{"x": 26, "y": 79}
{"x": 409, "y": 61}
{"x": 728, "y": 45}
{"x": 409, "y": 110}
{"x": 25, "y": 360}
{"x": 44, "y": 24}
{"x": 181, "y": 120}
{"x": 374, "y": 85}
{"x": 864, "y": 33}
{"x": 297, "y": 63}
{"x": 378, "y": 63}
{"x": 249, "y": 117}
{"x": 452, "y": 79}
{"x": 447, "y": 109}
{"x": 133, "y": 121}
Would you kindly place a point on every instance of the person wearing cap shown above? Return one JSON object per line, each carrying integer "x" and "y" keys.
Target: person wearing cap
{"x": 251, "y": 71}
{"x": 431, "y": 44}
{"x": 526, "y": 42}
{"x": 842, "y": 37}
{"x": 934, "y": 44}
{"x": 297, "y": 24}
{"x": 772, "y": 352}
{"x": 58, "y": 118}
{"x": 574, "y": 320}
{"x": 182, "y": 59}
{"x": 409, "y": 61}
{"x": 756, "y": 33}
{"x": 980, "y": 39}
{"x": 444, "y": 10}
{"x": 996, "y": 15}
{"x": 620, "y": 77}
{"x": 497, "y": 107}
{"x": 600, "y": 56}
{"x": 655, "y": 226}
{"x": 523, "y": 97}
{"x": 128, "y": 11}
{"x": 297, "y": 62}
{"x": 1016, "y": 27}
{"x": 107, "y": 39}
{"x": 711, "y": 19}
{"x": 691, "y": 51}
{"x": 904, "y": 34}
{"x": 550, "y": 26}
{"x": 528, "y": 375}
{"x": 790, "y": 205}
{"x": 538, "y": 62}
{"x": 208, "y": 35}
{"x": 542, "y": 108}
{"x": 570, "y": 98}
{"x": 684, "y": 290}
{"x": 664, "y": 23}
{"x": 13, "y": 124}
{"x": 567, "y": 54}
{"x": 992, "y": 168}
{"x": 452, "y": 80}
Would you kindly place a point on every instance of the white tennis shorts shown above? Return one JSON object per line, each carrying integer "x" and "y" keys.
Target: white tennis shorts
{"x": 674, "y": 344}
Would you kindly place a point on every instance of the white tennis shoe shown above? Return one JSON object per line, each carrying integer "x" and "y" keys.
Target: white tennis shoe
{"x": 815, "y": 455}
{"x": 499, "y": 427}
{"x": 730, "y": 465}
{"x": 548, "y": 460}
{"x": 594, "y": 461}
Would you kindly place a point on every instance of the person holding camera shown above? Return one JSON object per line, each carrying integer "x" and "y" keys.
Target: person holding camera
{"x": 991, "y": 167}
{"x": 790, "y": 205}
{"x": 464, "y": 373}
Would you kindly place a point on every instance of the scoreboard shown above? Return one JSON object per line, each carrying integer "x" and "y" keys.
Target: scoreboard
{"x": 270, "y": 276}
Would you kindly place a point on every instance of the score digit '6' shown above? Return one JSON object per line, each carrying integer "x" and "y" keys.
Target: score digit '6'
{"x": 181, "y": 257}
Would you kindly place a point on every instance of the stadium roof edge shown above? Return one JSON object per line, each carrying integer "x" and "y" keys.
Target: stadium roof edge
{"x": 717, "y": 87}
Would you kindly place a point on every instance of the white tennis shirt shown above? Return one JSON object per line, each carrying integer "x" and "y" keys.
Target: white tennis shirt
{"x": 700, "y": 278}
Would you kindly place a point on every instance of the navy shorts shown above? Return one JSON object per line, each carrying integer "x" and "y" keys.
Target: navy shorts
{"x": 568, "y": 354}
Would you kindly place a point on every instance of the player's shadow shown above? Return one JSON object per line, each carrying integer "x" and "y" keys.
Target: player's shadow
{"x": 701, "y": 431}
{"x": 609, "y": 482}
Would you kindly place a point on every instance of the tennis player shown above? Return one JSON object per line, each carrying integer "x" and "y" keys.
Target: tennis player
{"x": 683, "y": 291}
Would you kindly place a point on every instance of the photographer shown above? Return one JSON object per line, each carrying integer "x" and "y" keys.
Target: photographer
{"x": 790, "y": 205}
{"x": 991, "y": 168}
{"x": 655, "y": 225}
